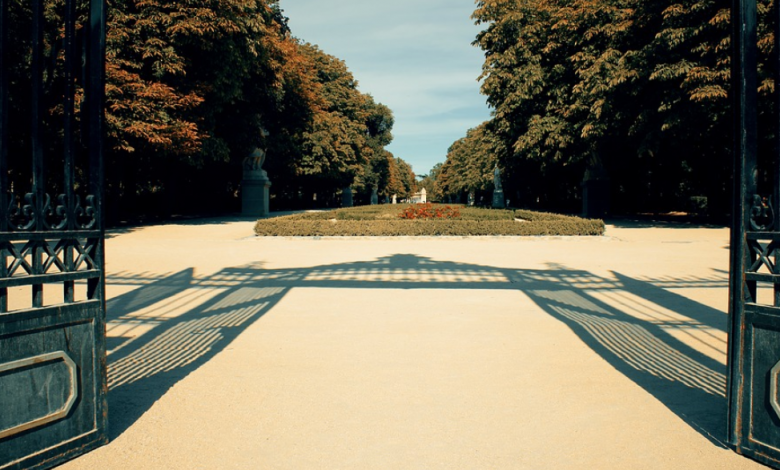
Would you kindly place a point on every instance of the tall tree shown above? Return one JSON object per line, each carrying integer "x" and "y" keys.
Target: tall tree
{"x": 633, "y": 89}
{"x": 469, "y": 165}
{"x": 347, "y": 134}
{"x": 192, "y": 88}
{"x": 189, "y": 87}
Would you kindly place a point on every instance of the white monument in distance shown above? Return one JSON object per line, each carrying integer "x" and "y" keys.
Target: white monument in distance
{"x": 420, "y": 197}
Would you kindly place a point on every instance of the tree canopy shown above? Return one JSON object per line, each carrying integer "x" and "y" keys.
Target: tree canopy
{"x": 345, "y": 140}
{"x": 635, "y": 90}
{"x": 193, "y": 87}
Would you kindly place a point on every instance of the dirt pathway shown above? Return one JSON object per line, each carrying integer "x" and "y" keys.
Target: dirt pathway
{"x": 229, "y": 351}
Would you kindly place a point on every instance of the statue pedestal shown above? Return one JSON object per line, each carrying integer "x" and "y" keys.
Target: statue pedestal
{"x": 255, "y": 196}
{"x": 346, "y": 197}
{"x": 595, "y": 197}
{"x": 498, "y": 199}
{"x": 254, "y": 186}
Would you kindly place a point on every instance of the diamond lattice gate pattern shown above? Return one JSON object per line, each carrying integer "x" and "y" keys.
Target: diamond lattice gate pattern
{"x": 754, "y": 340}
{"x": 52, "y": 307}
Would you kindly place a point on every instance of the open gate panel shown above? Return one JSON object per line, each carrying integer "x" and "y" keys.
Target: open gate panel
{"x": 52, "y": 352}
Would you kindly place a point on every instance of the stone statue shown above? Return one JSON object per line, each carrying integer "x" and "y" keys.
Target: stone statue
{"x": 255, "y": 160}
{"x": 761, "y": 214}
{"x": 498, "y": 192}
{"x": 255, "y": 185}
{"x": 374, "y": 196}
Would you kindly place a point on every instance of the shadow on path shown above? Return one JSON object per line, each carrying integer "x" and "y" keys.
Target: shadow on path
{"x": 674, "y": 222}
{"x": 165, "y": 329}
{"x": 172, "y": 324}
{"x": 125, "y": 227}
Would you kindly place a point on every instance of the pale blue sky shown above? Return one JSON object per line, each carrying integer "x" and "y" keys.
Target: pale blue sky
{"x": 415, "y": 56}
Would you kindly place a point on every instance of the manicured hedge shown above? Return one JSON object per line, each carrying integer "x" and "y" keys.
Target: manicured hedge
{"x": 383, "y": 220}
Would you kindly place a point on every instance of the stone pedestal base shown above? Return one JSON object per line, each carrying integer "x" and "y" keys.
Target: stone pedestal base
{"x": 498, "y": 199}
{"x": 595, "y": 198}
{"x": 255, "y": 197}
{"x": 346, "y": 198}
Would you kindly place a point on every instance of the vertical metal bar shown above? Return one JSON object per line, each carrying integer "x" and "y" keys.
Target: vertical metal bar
{"x": 69, "y": 287}
{"x": 71, "y": 60}
{"x": 96, "y": 289}
{"x": 35, "y": 136}
{"x": 776, "y": 161}
{"x": 4, "y": 189}
{"x": 744, "y": 100}
{"x": 36, "y": 105}
{"x": 3, "y": 273}
{"x": 4, "y": 227}
{"x": 95, "y": 92}
{"x": 37, "y": 268}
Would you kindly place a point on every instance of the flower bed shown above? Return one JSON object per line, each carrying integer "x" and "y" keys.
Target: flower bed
{"x": 387, "y": 220}
{"x": 429, "y": 211}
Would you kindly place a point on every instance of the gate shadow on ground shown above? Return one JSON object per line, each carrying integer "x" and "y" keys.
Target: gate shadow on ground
{"x": 671, "y": 346}
{"x": 167, "y": 328}
{"x": 125, "y": 227}
{"x": 674, "y": 222}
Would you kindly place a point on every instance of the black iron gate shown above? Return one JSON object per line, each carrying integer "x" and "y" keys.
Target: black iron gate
{"x": 754, "y": 339}
{"x": 52, "y": 307}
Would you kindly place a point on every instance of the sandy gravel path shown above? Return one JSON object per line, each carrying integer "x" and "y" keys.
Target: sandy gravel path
{"x": 234, "y": 352}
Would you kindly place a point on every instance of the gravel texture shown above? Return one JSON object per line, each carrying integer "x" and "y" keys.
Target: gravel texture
{"x": 229, "y": 351}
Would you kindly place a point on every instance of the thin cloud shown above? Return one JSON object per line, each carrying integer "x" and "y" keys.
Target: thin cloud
{"x": 415, "y": 57}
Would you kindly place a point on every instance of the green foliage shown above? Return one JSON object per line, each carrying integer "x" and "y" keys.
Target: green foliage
{"x": 383, "y": 220}
{"x": 470, "y": 163}
{"x": 334, "y": 146}
{"x": 476, "y": 213}
{"x": 634, "y": 90}
{"x": 402, "y": 180}
{"x": 392, "y": 228}
{"x": 191, "y": 87}
{"x": 344, "y": 143}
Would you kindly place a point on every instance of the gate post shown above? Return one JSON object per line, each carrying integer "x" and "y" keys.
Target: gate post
{"x": 744, "y": 98}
